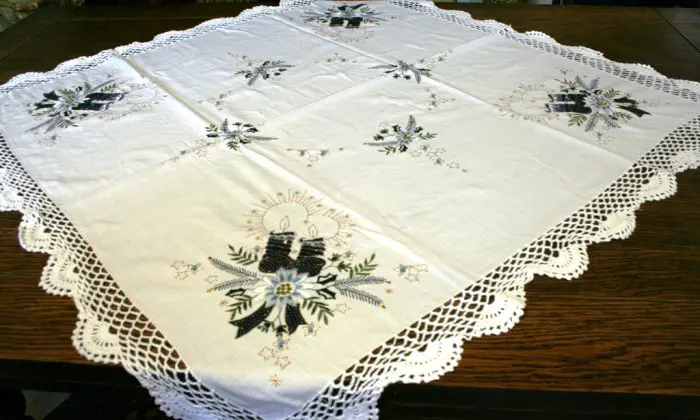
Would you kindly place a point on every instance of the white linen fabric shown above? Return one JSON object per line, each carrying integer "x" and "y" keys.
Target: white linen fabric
{"x": 280, "y": 214}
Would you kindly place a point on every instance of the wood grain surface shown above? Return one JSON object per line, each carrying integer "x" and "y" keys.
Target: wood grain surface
{"x": 630, "y": 324}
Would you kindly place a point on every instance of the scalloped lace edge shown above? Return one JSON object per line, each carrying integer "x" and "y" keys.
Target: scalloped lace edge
{"x": 436, "y": 360}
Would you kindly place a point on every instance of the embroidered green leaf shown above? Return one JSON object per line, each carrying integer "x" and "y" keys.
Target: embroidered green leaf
{"x": 577, "y": 119}
{"x": 351, "y": 282}
{"x": 343, "y": 266}
{"x": 212, "y": 130}
{"x": 363, "y": 269}
{"x": 318, "y": 308}
{"x": 361, "y": 295}
{"x": 242, "y": 256}
{"x": 112, "y": 87}
{"x": 611, "y": 93}
{"x": 618, "y": 115}
{"x": 242, "y": 304}
{"x": 235, "y": 284}
{"x": 266, "y": 326}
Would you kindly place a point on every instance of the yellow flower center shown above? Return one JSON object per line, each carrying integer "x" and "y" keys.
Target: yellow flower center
{"x": 284, "y": 289}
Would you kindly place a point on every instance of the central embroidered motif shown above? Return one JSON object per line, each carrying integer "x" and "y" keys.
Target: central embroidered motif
{"x": 282, "y": 292}
{"x": 254, "y": 71}
{"x": 589, "y": 105}
{"x": 400, "y": 139}
{"x": 235, "y": 134}
{"x": 404, "y": 70}
{"x": 232, "y": 134}
{"x": 411, "y": 137}
{"x": 65, "y": 107}
{"x": 345, "y": 16}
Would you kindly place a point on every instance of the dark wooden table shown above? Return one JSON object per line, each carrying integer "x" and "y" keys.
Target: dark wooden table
{"x": 629, "y": 329}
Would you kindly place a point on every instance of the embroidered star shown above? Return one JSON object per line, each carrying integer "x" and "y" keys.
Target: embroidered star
{"x": 342, "y": 308}
{"x": 389, "y": 291}
{"x": 223, "y": 302}
{"x": 283, "y": 362}
{"x": 178, "y": 265}
{"x": 212, "y": 279}
{"x": 267, "y": 353}
{"x": 453, "y": 165}
{"x": 275, "y": 380}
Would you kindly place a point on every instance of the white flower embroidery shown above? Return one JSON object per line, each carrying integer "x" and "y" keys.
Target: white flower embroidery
{"x": 285, "y": 288}
{"x": 599, "y": 103}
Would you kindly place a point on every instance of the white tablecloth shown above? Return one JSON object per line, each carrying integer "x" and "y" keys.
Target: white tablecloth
{"x": 247, "y": 211}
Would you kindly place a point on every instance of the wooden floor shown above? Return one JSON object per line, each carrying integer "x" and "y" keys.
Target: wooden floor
{"x": 628, "y": 326}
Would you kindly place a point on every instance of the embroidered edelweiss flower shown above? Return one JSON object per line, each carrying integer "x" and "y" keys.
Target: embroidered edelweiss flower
{"x": 184, "y": 270}
{"x": 404, "y": 70}
{"x": 281, "y": 344}
{"x": 599, "y": 103}
{"x": 235, "y": 134}
{"x": 311, "y": 329}
{"x": 411, "y": 272}
{"x": 401, "y": 138}
{"x": 264, "y": 70}
{"x": 285, "y": 288}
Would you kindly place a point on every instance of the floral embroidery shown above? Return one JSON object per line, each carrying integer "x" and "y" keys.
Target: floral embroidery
{"x": 66, "y": 107}
{"x": 184, "y": 270}
{"x": 254, "y": 70}
{"x": 311, "y": 329}
{"x": 589, "y": 105}
{"x": 404, "y": 70}
{"x": 434, "y": 101}
{"x": 395, "y": 139}
{"x": 312, "y": 155}
{"x": 232, "y": 134}
{"x": 278, "y": 296}
{"x": 235, "y": 134}
{"x": 345, "y": 16}
{"x": 435, "y": 154}
{"x": 528, "y": 102}
{"x": 336, "y": 58}
{"x": 400, "y": 139}
{"x": 413, "y": 71}
{"x": 299, "y": 212}
{"x": 345, "y": 23}
{"x": 411, "y": 272}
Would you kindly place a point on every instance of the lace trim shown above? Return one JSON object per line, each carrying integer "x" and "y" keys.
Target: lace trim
{"x": 110, "y": 329}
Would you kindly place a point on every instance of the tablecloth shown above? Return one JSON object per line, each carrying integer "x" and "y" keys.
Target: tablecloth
{"x": 279, "y": 214}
